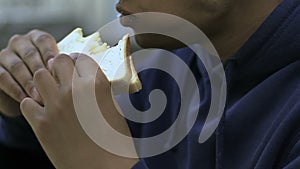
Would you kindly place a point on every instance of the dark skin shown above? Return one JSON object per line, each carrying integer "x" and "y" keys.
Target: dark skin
{"x": 227, "y": 23}
{"x": 43, "y": 90}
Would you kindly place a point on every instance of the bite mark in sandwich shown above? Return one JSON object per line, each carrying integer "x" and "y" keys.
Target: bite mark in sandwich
{"x": 115, "y": 62}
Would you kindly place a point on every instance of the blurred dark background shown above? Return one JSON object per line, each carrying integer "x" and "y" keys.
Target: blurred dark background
{"x": 57, "y": 17}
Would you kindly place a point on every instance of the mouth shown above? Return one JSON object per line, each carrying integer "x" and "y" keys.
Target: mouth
{"x": 126, "y": 17}
{"x": 122, "y": 10}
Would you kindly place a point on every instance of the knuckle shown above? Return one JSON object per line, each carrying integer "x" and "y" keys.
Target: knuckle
{"x": 4, "y": 52}
{"x": 35, "y": 67}
{"x": 43, "y": 38}
{"x": 28, "y": 85}
{"x": 48, "y": 54}
{"x": 29, "y": 53}
{"x": 16, "y": 66}
{"x": 35, "y": 31}
{"x": 15, "y": 38}
{"x": 3, "y": 75}
{"x": 61, "y": 59}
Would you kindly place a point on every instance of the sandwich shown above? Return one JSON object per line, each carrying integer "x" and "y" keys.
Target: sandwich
{"x": 115, "y": 62}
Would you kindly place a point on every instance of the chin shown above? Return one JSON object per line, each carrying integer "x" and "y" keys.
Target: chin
{"x": 157, "y": 41}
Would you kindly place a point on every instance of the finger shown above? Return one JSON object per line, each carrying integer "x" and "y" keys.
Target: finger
{"x": 45, "y": 43}
{"x": 63, "y": 68}
{"x": 10, "y": 86}
{"x": 17, "y": 68}
{"x": 86, "y": 66}
{"x": 74, "y": 56}
{"x": 31, "y": 110}
{"x": 46, "y": 85}
{"x": 25, "y": 49}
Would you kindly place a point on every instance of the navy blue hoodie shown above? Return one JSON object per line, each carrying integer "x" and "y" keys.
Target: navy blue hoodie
{"x": 261, "y": 124}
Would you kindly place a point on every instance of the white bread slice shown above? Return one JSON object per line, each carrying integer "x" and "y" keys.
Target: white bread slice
{"x": 115, "y": 62}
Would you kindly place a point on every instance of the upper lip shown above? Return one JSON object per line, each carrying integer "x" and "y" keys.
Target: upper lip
{"x": 122, "y": 10}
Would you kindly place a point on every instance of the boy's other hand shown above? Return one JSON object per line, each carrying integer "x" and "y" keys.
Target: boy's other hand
{"x": 24, "y": 55}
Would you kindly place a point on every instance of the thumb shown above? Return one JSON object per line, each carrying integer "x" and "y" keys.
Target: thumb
{"x": 31, "y": 110}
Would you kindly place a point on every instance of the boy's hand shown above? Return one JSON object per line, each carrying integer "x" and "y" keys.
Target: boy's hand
{"x": 24, "y": 55}
{"x": 56, "y": 124}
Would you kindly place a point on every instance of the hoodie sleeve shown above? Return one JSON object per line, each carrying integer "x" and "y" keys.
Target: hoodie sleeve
{"x": 19, "y": 147}
{"x": 16, "y": 133}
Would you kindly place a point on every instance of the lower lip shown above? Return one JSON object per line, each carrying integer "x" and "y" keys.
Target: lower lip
{"x": 127, "y": 20}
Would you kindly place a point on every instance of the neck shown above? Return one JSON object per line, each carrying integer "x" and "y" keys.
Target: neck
{"x": 240, "y": 25}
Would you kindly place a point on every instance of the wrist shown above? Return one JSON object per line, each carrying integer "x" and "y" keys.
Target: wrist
{"x": 106, "y": 160}
{"x": 89, "y": 155}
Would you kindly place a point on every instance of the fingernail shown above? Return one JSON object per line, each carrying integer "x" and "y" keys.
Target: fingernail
{"x": 50, "y": 62}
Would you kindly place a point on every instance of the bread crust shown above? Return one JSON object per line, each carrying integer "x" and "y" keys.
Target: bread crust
{"x": 129, "y": 82}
